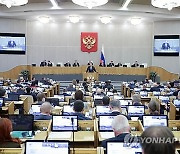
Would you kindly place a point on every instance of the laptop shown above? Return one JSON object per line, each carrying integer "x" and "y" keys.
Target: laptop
{"x": 35, "y": 109}
{"x": 134, "y": 110}
{"x": 123, "y": 148}
{"x": 64, "y": 123}
{"x": 104, "y": 125}
{"x": 60, "y": 97}
{"x": 177, "y": 102}
{"x": 164, "y": 99}
{"x": 22, "y": 125}
{"x": 13, "y": 97}
{"x": 68, "y": 109}
{"x": 154, "y": 120}
{"x": 125, "y": 102}
{"x": 102, "y": 110}
{"x": 47, "y": 147}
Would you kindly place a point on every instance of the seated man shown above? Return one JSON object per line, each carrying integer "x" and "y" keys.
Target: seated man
{"x": 121, "y": 128}
{"x": 160, "y": 140}
{"x": 45, "y": 110}
{"x": 135, "y": 64}
{"x": 136, "y": 99}
{"x": 105, "y": 100}
{"x": 78, "y": 110}
{"x": 40, "y": 98}
{"x": 111, "y": 64}
{"x": 76, "y": 64}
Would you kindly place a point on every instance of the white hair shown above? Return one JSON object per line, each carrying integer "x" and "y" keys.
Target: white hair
{"x": 46, "y": 107}
{"x": 120, "y": 122}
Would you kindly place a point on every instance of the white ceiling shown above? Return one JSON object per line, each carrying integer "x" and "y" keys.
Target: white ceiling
{"x": 140, "y": 8}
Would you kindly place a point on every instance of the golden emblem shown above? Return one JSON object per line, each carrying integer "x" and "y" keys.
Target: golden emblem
{"x": 89, "y": 42}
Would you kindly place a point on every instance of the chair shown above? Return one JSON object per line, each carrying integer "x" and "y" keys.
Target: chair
{"x": 33, "y": 65}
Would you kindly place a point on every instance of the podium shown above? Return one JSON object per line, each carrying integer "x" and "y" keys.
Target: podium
{"x": 91, "y": 76}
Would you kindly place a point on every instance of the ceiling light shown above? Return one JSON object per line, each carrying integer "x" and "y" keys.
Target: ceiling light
{"x": 90, "y": 3}
{"x": 44, "y": 19}
{"x": 10, "y": 3}
{"x": 105, "y": 19}
{"x": 168, "y": 4}
{"x": 74, "y": 19}
{"x": 126, "y": 3}
{"x": 135, "y": 21}
{"x": 54, "y": 3}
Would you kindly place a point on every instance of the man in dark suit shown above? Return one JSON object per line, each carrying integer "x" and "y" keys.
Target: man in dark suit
{"x": 166, "y": 46}
{"x": 90, "y": 68}
{"x": 111, "y": 64}
{"x": 121, "y": 130}
{"x": 11, "y": 44}
{"x": 76, "y": 64}
{"x": 43, "y": 63}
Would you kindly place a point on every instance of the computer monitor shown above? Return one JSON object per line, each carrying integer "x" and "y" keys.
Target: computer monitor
{"x": 35, "y": 109}
{"x": 105, "y": 122}
{"x": 155, "y": 120}
{"x": 2, "y": 102}
{"x": 123, "y": 148}
{"x": 13, "y": 97}
{"x": 98, "y": 102}
{"x": 134, "y": 110}
{"x": 60, "y": 97}
{"x": 47, "y": 147}
{"x": 137, "y": 89}
{"x": 53, "y": 101}
{"x": 98, "y": 97}
{"x": 164, "y": 99}
{"x": 156, "y": 93}
{"x": 125, "y": 102}
{"x": 102, "y": 110}
{"x": 68, "y": 109}
{"x": 177, "y": 102}
{"x": 64, "y": 123}
{"x": 143, "y": 93}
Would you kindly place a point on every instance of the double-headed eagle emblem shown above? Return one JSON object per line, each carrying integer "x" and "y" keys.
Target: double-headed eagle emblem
{"x": 89, "y": 42}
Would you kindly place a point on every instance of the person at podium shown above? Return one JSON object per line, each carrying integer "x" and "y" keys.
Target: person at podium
{"x": 90, "y": 68}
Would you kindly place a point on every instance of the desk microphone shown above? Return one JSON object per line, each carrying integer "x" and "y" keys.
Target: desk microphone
{"x": 72, "y": 121}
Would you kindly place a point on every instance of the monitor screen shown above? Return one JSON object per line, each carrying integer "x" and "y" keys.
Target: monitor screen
{"x": 143, "y": 93}
{"x": 35, "y": 109}
{"x": 164, "y": 99}
{"x": 60, "y": 97}
{"x": 101, "y": 110}
{"x": 125, "y": 102}
{"x": 155, "y": 120}
{"x": 12, "y": 43}
{"x": 136, "y": 110}
{"x": 68, "y": 109}
{"x": 2, "y": 102}
{"x": 13, "y": 97}
{"x": 176, "y": 103}
{"x": 55, "y": 147}
{"x": 64, "y": 123}
{"x": 105, "y": 122}
{"x": 156, "y": 93}
{"x": 22, "y": 122}
{"x": 123, "y": 148}
{"x": 166, "y": 45}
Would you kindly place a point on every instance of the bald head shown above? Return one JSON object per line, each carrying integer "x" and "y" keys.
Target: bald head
{"x": 46, "y": 108}
{"x": 136, "y": 98}
{"x": 120, "y": 125}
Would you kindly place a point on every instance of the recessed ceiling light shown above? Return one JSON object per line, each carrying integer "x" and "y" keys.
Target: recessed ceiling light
{"x": 105, "y": 19}
{"x": 136, "y": 20}
{"x": 44, "y": 19}
{"x": 74, "y": 19}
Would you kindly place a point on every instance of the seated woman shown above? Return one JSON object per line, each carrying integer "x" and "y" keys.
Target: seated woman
{"x": 6, "y": 141}
{"x": 154, "y": 107}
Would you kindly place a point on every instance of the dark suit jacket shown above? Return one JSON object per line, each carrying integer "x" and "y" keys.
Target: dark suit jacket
{"x": 81, "y": 116}
{"x": 91, "y": 69}
{"x": 119, "y": 138}
{"x": 76, "y": 65}
{"x": 10, "y": 144}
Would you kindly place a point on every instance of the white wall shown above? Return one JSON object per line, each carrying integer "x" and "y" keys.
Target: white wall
{"x": 12, "y": 26}
{"x": 60, "y": 42}
{"x": 171, "y": 64}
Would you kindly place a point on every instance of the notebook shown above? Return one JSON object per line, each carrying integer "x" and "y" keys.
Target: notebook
{"x": 123, "y": 148}
{"x": 47, "y": 147}
{"x": 155, "y": 120}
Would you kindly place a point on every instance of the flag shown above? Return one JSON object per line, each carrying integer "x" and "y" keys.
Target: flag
{"x": 102, "y": 58}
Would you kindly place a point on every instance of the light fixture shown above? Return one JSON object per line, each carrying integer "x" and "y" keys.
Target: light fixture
{"x": 135, "y": 21}
{"x": 55, "y": 4}
{"x": 44, "y": 19}
{"x": 90, "y": 3}
{"x": 74, "y": 19}
{"x": 168, "y": 4}
{"x": 10, "y": 3}
{"x": 105, "y": 19}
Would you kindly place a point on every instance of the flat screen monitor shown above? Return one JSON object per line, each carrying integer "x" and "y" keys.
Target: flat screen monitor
{"x": 2, "y": 102}
{"x": 64, "y": 123}
{"x": 125, "y": 102}
{"x": 102, "y": 110}
{"x": 60, "y": 97}
{"x": 35, "y": 109}
{"x": 164, "y": 99}
{"x": 155, "y": 120}
{"x": 143, "y": 93}
{"x": 177, "y": 102}
{"x": 13, "y": 97}
{"x": 105, "y": 122}
{"x": 166, "y": 45}
{"x": 123, "y": 148}
{"x": 156, "y": 93}
{"x": 53, "y": 101}
{"x": 12, "y": 43}
{"x": 47, "y": 147}
{"x": 134, "y": 110}
{"x": 68, "y": 109}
